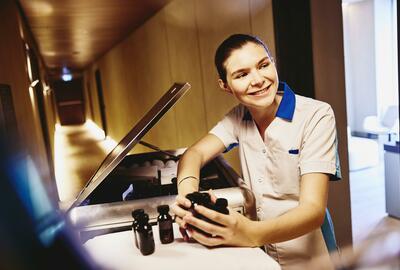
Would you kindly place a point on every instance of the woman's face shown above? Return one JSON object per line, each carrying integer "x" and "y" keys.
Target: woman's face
{"x": 251, "y": 76}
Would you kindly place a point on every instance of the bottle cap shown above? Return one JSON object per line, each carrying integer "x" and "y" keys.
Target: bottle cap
{"x": 221, "y": 203}
{"x": 144, "y": 218}
{"x": 137, "y": 212}
{"x": 163, "y": 208}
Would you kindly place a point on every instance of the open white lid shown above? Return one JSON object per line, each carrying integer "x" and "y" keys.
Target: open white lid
{"x": 112, "y": 160}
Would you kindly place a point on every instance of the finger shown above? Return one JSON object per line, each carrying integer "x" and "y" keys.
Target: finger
{"x": 204, "y": 225}
{"x": 213, "y": 215}
{"x": 212, "y": 195}
{"x": 204, "y": 239}
{"x": 182, "y": 228}
{"x": 181, "y": 200}
{"x": 182, "y": 224}
{"x": 178, "y": 210}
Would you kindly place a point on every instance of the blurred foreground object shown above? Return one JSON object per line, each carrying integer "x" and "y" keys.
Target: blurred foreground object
{"x": 380, "y": 251}
{"x": 33, "y": 233}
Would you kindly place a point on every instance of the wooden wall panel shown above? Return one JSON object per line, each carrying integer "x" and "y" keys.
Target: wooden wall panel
{"x": 50, "y": 109}
{"x": 95, "y": 99}
{"x": 329, "y": 81}
{"x": 136, "y": 93}
{"x": 184, "y": 55}
{"x": 13, "y": 71}
{"x": 87, "y": 97}
{"x": 155, "y": 78}
{"x": 135, "y": 88}
{"x": 262, "y": 22}
{"x": 177, "y": 44}
{"x": 216, "y": 20}
{"x": 135, "y": 75}
{"x": 115, "y": 90}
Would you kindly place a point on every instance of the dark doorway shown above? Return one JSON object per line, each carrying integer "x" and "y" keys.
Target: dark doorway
{"x": 8, "y": 123}
{"x": 102, "y": 105}
{"x": 70, "y": 106}
{"x": 90, "y": 102}
{"x": 292, "y": 23}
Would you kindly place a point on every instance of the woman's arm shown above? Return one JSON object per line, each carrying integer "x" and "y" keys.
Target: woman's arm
{"x": 194, "y": 159}
{"x": 237, "y": 230}
{"x": 189, "y": 171}
{"x": 306, "y": 217}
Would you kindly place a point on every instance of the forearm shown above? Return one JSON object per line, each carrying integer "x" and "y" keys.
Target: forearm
{"x": 295, "y": 223}
{"x": 193, "y": 160}
{"x": 189, "y": 165}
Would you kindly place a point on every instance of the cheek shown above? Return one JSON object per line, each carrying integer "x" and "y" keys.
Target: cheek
{"x": 270, "y": 73}
{"x": 240, "y": 85}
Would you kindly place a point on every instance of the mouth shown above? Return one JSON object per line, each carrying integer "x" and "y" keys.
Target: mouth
{"x": 260, "y": 92}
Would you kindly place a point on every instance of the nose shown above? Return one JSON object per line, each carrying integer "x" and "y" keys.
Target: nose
{"x": 257, "y": 79}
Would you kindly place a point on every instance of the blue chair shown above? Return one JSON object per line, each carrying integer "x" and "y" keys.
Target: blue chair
{"x": 328, "y": 232}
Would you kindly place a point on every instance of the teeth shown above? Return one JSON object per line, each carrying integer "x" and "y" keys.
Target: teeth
{"x": 259, "y": 92}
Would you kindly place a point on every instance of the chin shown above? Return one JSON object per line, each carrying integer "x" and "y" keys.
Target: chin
{"x": 261, "y": 104}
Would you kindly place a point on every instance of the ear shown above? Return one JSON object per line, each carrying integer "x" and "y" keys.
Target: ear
{"x": 224, "y": 86}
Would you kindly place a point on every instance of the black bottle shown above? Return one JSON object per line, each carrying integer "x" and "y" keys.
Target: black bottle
{"x": 145, "y": 235}
{"x": 136, "y": 214}
{"x": 221, "y": 206}
{"x": 165, "y": 224}
{"x": 204, "y": 199}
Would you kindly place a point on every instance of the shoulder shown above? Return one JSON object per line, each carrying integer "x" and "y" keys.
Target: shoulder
{"x": 308, "y": 107}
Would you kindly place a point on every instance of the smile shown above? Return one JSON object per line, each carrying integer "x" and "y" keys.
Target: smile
{"x": 260, "y": 92}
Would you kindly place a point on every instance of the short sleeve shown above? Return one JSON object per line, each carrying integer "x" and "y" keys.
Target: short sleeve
{"x": 225, "y": 129}
{"x": 319, "y": 146}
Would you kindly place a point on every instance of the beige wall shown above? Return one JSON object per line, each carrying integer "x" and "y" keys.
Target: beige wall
{"x": 13, "y": 71}
{"x": 329, "y": 82}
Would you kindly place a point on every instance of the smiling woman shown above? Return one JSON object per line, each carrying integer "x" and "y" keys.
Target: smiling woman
{"x": 287, "y": 149}
{"x": 252, "y": 79}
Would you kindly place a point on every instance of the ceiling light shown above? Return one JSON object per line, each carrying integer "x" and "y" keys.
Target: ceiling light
{"x": 66, "y": 77}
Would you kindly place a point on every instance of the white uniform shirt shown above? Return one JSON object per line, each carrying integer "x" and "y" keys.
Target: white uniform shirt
{"x": 301, "y": 139}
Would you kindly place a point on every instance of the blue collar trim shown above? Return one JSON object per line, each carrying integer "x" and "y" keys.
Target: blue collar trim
{"x": 286, "y": 107}
{"x": 288, "y": 102}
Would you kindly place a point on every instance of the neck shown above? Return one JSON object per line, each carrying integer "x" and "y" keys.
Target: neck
{"x": 264, "y": 117}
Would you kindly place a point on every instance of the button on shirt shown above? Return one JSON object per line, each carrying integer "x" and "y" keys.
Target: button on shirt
{"x": 301, "y": 139}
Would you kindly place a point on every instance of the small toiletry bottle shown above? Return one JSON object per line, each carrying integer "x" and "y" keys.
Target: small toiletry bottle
{"x": 221, "y": 206}
{"x": 135, "y": 214}
{"x": 165, "y": 224}
{"x": 145, "y": 233}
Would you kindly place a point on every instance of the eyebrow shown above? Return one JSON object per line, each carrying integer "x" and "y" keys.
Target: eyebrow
{"x": 244, "y": 69}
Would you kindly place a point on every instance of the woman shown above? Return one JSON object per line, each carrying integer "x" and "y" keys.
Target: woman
{"x": 287, "y": 148}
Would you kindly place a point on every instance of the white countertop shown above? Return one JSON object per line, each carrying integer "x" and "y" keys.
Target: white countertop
{"x": 118, "y": 251}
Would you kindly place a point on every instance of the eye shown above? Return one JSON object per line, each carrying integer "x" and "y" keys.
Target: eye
{"x": 264, "y": 65}
{"x": 241, "y": 75}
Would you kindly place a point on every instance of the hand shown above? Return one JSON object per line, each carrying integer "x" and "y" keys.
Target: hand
{"x": 235, "y": 229}
{"x": 180, "y": 212}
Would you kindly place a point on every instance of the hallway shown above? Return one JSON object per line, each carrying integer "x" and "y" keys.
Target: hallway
{"x": 79, "y": 151}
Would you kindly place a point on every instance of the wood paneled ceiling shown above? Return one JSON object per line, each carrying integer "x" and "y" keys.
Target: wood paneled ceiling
{"x": 74, "y": 33}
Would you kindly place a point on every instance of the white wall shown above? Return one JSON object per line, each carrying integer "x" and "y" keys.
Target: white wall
{"x": 386, "y": 54}
{"x": 370, "y": 43}
{"x": 359, "y": 47}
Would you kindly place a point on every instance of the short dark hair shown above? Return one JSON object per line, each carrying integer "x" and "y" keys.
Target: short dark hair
{"x": 230, "y": 44}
